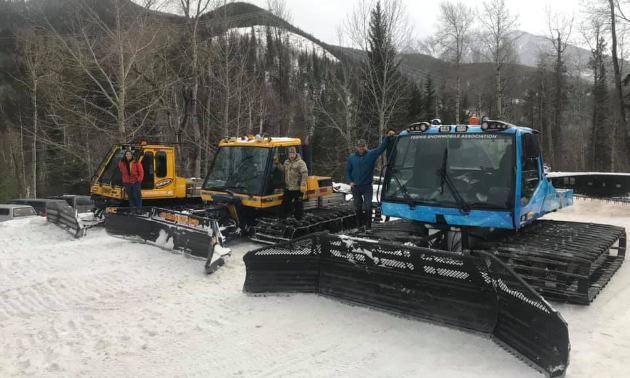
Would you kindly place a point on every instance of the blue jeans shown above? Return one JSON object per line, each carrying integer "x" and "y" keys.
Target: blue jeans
{"x": 134, "y": 192}
{"x": 362, "y": 197}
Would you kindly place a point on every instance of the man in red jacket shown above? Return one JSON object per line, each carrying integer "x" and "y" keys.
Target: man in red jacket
{"x": 132, "y": 175}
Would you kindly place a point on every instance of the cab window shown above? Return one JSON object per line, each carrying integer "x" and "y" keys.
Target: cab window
{"x": 147, "y": 166}
{"x": 160, "y": 164}
{"x": 530, "y": 176}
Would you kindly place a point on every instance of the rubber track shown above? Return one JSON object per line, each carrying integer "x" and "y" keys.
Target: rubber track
{"x": 334, "y": 218}
{"x": 564, "y": 261}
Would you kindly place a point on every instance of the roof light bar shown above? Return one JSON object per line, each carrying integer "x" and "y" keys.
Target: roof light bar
{"x": 419, "y": 126}
{"x": 490, "y": 125}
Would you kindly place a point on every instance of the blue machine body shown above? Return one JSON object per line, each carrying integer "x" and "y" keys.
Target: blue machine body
{"x": 544, "y": 199}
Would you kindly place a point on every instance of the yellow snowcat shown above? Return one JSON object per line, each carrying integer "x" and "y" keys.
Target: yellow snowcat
{"x": 160, "y": 187}
{"x": 242, "y": 196}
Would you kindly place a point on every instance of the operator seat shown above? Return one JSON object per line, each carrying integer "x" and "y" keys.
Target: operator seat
{"x": 424, "y": 173}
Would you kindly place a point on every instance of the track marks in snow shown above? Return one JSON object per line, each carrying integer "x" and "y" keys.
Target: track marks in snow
{"x": 104, "y": 307}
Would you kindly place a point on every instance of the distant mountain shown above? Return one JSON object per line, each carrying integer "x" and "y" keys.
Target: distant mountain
{"x": 528, "y": 48}
{"x": 241, "y": 16}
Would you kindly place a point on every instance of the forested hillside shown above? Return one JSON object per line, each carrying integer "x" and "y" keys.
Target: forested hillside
{"x": 79, "y": 75}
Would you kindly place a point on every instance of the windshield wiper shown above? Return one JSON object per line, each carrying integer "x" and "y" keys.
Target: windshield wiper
{"x": 464, "y": 208}
{"x": 237, "y": 187}
{"x": 221, "y": 189}
{"x": 403, "y": 189}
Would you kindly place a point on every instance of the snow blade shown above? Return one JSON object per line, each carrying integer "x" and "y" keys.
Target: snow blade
{"x": 65, "y": 216}
{"x": 478, "y": 293}
{"x": 187, "y": 233}
{"x": 593, "y": 184}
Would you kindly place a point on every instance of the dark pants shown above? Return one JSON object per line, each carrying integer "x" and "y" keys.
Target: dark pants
{"x": 362, "y": 200}
{"x": 134, "y": 193}
{"x": 289, "y": 199}
{"x": 362, "y": 197}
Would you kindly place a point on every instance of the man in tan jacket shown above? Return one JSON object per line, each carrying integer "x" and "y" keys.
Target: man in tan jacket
{"x": 295, "y": 175}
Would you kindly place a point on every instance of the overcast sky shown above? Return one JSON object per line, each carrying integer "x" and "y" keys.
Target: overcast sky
{"x": 321, "y": 17}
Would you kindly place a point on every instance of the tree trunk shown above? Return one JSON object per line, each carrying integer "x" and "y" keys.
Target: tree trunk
{"x": 499, "y": 96}
{"x": 457, "y": 96}
{"x": 121, "y": 98}
{"x": 34, "y": 145}
{"x": 195, "y": 109}
{"x": 619, "y": 91}
{"x": 557, "y": 120}
{"x": 26, "y": 191}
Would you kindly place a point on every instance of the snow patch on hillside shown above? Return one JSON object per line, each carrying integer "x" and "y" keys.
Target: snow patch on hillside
{"x": 297, "y": 42}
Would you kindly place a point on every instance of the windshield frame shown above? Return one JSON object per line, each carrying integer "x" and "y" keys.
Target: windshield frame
{"x": 473, "y": 205}
{"x": 266, "y": 171}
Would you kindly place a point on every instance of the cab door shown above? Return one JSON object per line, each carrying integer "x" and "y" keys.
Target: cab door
{"x": 148, "y": 165}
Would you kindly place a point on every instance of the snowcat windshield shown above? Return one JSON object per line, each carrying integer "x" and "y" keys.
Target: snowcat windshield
{"x": 479, "y": 166}
{"x": 238, "y": 169}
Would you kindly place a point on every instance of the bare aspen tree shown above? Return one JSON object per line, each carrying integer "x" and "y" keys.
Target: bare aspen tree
{"x": 600, "y": 142}
{"x": 615, "y": 12}
{"x": 109, "y": 61}
{"x": 453, "y": 34}
{"x": 156, "y": 5}
{"x": 559, "y": 33}
{"x": 279, "y": 8}
{"x": 500, "y": 36}
{"x": 380, "y": 29}
{"x": 192, "y": 11}
{"x": 339, "y": 107}
{"x": 35, "y": 53}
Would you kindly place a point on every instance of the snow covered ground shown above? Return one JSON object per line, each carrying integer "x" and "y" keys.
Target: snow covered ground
{"x": 105, "y": 307}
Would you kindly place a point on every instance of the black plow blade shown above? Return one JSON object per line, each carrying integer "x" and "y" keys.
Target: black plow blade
{"x": 603, "y": 185}
{"x": 168, "y": 229}
{"x": 477, "y": 293}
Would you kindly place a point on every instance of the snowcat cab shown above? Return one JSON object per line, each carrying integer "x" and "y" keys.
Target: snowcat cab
{"x": 468, "y": 249}
{"x": 160, "y": 186}
{"x": 246, "y": 180}
{"x": 470, "y": 176}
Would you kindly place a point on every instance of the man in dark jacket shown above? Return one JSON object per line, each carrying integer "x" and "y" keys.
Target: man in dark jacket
{"x": 360, "y": 175}
{"x": 132, "y": 176}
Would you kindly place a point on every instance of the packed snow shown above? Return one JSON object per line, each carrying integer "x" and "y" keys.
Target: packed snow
{"x": 107, "y": 307}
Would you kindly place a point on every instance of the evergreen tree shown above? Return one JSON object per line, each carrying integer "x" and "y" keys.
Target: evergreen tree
{"x": 429, "y": 100}
{"x": 252, "y": 52}
{"x": 384, "y": 84}
{"x": 415, "y": 110}
{"x": 600, "y": 147}
{"x": 271, "y": 51}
